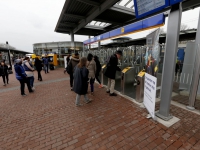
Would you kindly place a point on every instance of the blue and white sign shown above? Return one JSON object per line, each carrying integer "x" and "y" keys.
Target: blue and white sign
{"x": 146, "y": 7}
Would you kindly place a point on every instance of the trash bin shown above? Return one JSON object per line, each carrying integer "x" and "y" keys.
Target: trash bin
{"x": 140, "y": 87}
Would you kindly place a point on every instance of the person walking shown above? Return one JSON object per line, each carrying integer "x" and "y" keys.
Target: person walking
{"x": 81, "y": 81}
{"x": 70, "y": 68}
{"x": 46, "y": 64}
{"x": 67, "y": 62}
{"x": 91, "y": 66}
{"x": 98, "y": 67}
{"x": 4, "y": 72}
{"x": 28, "y": 67}
{"x": 38, "y": 66}
{"x": 22, "y": 77}
{"x": 111, "y": 72}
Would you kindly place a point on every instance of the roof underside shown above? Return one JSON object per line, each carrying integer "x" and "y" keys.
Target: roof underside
{"x": 94, "y": 17}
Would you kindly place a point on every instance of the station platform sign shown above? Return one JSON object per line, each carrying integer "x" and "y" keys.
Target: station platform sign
{"x": 145, "y": 8}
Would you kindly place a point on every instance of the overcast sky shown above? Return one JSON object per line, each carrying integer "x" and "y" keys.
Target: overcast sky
{"x": 25, "y": 22}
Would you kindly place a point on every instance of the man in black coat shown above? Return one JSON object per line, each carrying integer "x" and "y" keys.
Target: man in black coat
{"x": 111, "y": 71}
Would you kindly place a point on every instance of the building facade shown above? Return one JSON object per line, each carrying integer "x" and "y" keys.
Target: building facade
{"x": 60, "y": 48}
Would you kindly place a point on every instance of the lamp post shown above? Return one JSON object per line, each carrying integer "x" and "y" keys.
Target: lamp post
{"x": 9, "y": 55}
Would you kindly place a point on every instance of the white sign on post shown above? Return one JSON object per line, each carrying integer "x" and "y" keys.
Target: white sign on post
{"x": 150, "y": 93}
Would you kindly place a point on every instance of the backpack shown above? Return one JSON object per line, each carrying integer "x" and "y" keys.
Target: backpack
{"x": 69, "y": 67}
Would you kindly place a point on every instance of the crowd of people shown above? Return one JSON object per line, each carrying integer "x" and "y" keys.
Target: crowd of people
{"x": 83, "y": 72}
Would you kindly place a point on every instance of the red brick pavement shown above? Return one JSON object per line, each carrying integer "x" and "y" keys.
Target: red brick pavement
{"x": 48, "y": 119}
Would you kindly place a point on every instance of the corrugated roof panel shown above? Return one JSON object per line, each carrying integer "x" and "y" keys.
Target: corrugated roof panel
{"x": 70, "y": 19}
{"x": 79, "y": 8}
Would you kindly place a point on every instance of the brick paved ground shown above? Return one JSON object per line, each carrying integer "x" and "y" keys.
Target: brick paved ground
{"x": 48, "y": 119}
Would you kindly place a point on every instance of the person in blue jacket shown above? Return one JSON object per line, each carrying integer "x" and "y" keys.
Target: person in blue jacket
{"x": 22, "y": 77}
{"x": 46, "y": 64}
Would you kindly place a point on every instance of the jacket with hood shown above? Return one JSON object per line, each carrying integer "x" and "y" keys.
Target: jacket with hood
{"x": 91, "y": 66}
{"x": 28, "y": 68}
{"x": 20, "y": 72}
{"x": 72, "y": 63}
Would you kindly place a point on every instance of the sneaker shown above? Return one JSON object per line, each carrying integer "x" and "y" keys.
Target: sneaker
{"x": 88, "y": 101}
{"x": 4, "y": 84}
{"x": 100, "y": 86}
{"x": 78, "y": 105}
{"x": 71, "y": 89}
{"x": 92, "y": 93}
{"x": 33, "y": 88}
{"x": 113, "y": 94}
{"x": 24, "y": 95}
{"x": 108, "y": 91}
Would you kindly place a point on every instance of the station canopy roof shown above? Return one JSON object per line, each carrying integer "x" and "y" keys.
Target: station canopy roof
{"x": 95, "y": 17}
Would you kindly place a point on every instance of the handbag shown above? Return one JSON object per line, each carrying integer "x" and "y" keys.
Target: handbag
{"x": 10, "y": 72}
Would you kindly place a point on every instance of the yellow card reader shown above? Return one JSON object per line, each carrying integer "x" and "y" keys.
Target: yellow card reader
{"x": 126, "y": 69}
{"x": 141, "y": 73}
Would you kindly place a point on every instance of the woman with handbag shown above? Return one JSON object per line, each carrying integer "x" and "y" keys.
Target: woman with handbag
{"x": 4, "y": 72}
{"x": 81, "y": 81}
{"x": 91, "y": 66}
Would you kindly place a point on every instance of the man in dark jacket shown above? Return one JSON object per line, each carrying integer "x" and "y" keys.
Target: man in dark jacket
{"x": 22, "y": 77}
{"x": 46, "y": 64}
{"x": 111, "y": 71}
{"x": 72, "y": 63}
{"x": 4, "y": 72}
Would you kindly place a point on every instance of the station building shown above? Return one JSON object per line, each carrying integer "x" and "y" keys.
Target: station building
{"x": 61, "y": 48}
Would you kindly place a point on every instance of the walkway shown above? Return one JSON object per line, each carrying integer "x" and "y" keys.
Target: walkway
{"x": 48, "y": 119}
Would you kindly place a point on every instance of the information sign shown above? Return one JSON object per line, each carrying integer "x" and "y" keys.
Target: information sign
{"x": 146, "y": 7}
{"x": 150, "y": 83}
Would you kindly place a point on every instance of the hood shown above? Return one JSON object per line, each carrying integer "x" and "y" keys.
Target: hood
{"x": 75, "y": 59}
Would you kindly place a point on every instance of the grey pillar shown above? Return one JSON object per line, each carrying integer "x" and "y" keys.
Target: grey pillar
{"x": 9, "y": 56}
{"x": 72, "y": 41}
{"x": 89, "y": 44}
{"x": 196, "y": 71}
{"x": 99, "y": 45}
{"x": 172, "y": 40}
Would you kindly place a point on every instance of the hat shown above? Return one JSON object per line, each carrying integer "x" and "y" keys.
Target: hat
{"x": 18, "y": 61}
{"x": 76, "y": 54}
{"x": 119, "y": 52}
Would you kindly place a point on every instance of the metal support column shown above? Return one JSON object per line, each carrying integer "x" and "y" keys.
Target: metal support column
{"x": 72, "y": 41}
{"x": 99, "y": 45}
{"x": 172, "y": 40}
{"x": 9, "y": 56}
{"x": 196, "y": 71}
{"x": 89, "y": 44}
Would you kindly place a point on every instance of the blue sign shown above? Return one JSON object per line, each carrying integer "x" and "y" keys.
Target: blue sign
{"x": 146, "y": 7}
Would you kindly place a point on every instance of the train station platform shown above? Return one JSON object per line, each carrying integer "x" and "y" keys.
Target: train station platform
{"x": 48, "y": 119}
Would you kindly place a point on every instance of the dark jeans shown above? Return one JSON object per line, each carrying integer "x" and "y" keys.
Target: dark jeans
{"x": 97, "y": 77}
{"x": 31, "y": 80}
{"x": 39, "y": 75}
{"x": 71, "y": 79}
{"x": 92, "y": 84}
{"x": 22, "y": 84}
{"x": 46, "y": 68}
{"x": 5, "y": 78}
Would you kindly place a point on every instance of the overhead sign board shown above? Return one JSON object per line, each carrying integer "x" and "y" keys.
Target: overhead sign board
{"x": 146, "y": 7}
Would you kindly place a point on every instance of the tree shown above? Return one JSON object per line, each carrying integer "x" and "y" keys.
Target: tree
{"x": 184, "y": 27}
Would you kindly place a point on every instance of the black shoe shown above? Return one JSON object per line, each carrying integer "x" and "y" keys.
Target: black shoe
{"x": 107, "y": 91}
{"x": 71, "y": 89}
{"x": 113, "y": 94}
{"x": 31, "y": 91}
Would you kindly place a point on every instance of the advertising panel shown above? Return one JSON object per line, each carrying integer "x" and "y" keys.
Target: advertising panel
{"x": 150, "y": 94}
{"x": 152, "y": 55}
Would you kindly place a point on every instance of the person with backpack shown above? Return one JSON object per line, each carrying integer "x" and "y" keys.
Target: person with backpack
{"x": 22, "y": 77}
{"x": 81, "y": 81}
{"x": 38, "y": 66}
{"x": 70, "y": 68}
{"x": 98, "y": 66}
{"x": 28, "y": 67}
{"x": 110, "y": 72}
{"x": 91, "y": 66}
{"x": 4, "y": 72}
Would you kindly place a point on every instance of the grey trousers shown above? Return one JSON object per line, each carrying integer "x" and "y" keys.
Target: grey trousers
{"x": 111, "y": 85}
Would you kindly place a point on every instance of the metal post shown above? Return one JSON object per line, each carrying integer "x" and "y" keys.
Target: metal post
{"x": 196, "y": 71}
{"x": 99, "y": 45}
{"x": 72, "y": 41}
{"x": 9, "y": 55}
{"x": 169, "y": 61}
